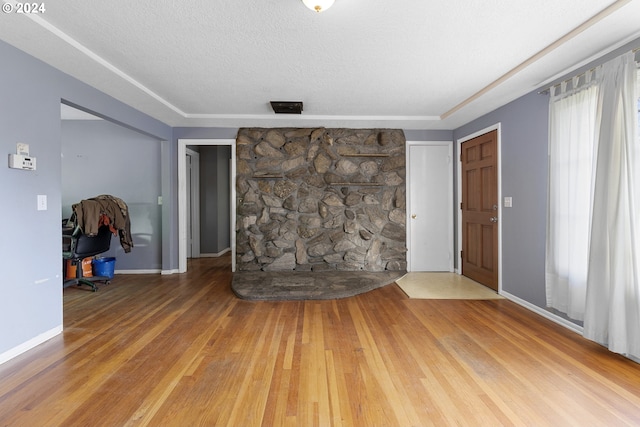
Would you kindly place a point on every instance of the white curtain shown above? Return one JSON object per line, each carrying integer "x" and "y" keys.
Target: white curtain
{"x": 593, "y": 232}
{"x": 572, "y": 114}
{"x": 612, "y": 313}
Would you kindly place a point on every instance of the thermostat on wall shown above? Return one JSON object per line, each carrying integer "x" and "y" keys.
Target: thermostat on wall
{"x": 19, "y": 161}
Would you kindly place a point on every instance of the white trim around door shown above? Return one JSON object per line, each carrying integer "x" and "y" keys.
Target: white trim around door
{"x": 182, "y": 197}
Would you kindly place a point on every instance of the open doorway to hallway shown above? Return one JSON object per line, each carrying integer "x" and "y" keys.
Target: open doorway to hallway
{"x": 216, "y": 198}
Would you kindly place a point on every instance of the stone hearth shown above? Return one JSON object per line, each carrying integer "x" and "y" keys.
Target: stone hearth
{"x": 295, "y": 285}
{"x": 320, "y": 200}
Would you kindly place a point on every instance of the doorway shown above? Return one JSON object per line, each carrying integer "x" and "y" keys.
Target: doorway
{"x": 100, "y": 156}
{"x": 182, "y": 197}
{"x": 479, "y": 223}
{"x": 430, "y": 206}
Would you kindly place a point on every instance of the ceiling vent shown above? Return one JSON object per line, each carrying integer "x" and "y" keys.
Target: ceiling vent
{"x": 286, "y": 107}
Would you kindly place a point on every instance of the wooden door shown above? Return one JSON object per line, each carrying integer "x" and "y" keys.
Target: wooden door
{"x": 479, "y": 158}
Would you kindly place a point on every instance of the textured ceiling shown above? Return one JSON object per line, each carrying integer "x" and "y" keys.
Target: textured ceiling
{"x": 412, "y": 64}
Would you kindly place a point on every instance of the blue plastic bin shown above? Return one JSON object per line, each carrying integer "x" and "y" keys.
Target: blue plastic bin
{"x": 104, "y": 267}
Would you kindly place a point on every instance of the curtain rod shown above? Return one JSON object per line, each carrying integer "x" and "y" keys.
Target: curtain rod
{"x": 546, "y": 90}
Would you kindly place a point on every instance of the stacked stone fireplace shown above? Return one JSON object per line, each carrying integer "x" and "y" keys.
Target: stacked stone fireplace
{"x": 321, "y": 200}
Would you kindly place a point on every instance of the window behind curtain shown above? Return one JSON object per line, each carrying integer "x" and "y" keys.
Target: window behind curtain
{"x": 571, "y": 152}
{"x": 572, "y": 149}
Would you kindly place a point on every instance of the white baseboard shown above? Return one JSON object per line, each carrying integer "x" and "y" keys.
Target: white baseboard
{"x": 544, "y": 313}
{"x": 215, "y": 255}
{"x": 33, "y": 342}
{"x": 173, "y": 271}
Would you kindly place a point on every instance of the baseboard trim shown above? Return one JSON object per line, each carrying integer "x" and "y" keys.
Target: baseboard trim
{"x": 544, "y": 313}
{"x": 172, "y": 271}
{"x": 33, "y": 342}
{"x": 214, "y": 255}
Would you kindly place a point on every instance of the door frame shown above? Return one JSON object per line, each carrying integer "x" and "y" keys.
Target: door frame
{"x": 182, "y": 197}
{"x": 450, "y": 225}
{"x": 498, "y": 128}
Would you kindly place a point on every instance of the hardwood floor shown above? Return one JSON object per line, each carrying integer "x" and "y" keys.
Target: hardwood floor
{"x": 181, "y": 350}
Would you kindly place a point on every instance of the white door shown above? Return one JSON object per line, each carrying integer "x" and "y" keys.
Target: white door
{"x": 430, "y": 206}
{"x": 193, "y": 203}
{"x": 189, "y": 231}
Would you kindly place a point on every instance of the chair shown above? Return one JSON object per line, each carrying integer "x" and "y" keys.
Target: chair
{"x": 77, "y": 246}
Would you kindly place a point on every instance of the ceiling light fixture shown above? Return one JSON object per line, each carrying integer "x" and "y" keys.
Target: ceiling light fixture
{"x": 318, "y": 5}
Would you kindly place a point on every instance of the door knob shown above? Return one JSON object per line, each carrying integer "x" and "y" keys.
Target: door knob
{"x": 493, "y": 219}
{"x": 413, "y": 216}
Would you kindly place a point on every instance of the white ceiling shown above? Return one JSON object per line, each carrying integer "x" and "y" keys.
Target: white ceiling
{"x": 411, "y": 64}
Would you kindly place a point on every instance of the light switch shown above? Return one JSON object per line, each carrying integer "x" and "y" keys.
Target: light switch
{"x": 508, "y": 202}
{"x": 42, "y": 202}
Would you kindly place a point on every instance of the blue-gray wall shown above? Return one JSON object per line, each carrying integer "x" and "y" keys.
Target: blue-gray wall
{"x": 524, "y": 142}
{"x": 100, "y": 157}
{"x": 428, "y": 135}
{"x": 524, "y": 129}
{"x": 30, "y": 248}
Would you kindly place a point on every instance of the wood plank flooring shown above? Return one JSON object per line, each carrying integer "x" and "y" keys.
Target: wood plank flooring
{"x": 182, "y": 350}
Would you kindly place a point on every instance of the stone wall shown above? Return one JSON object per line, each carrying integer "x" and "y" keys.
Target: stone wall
{"x": 320, "y": 199}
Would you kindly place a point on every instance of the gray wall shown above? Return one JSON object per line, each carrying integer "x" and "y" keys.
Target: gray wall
{"x": 30, "y": 248}
{"x": 524, "y": 129}
{"x": 214, "y": 199}
{"x": 428, "y": 135}
{"x": 524, "y": 125}
{"x": 100, "y": 157}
